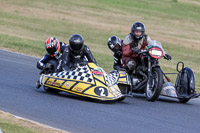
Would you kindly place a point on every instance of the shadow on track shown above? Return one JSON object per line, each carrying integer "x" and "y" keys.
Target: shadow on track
{"x": 82, "y": 98}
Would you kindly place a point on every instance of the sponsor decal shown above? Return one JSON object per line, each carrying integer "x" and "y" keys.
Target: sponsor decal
{"x": 77, "y": 57}
{"x": 97, "y": 72}
{"x": 138, "y": 28}
{"x": 77, "y": 41}
{"x": 67, "y": 85}
{"x": 55, "y": 84}
{"x": 173, "y": 92}
{"x": 78, "y": 89}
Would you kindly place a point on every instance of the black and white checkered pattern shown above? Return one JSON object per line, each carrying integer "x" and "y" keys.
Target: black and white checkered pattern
{"x": 80, "y": 73}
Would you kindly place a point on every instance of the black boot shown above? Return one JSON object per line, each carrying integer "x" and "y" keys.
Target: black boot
{"x": 38, "y": 85}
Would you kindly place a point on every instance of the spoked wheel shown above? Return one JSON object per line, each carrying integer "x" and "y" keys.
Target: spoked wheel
{"x": 157, "y": 81}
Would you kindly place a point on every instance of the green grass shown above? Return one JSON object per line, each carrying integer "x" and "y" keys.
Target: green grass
{"x": 9, "y": 127}
{"x": 22, "y": 45}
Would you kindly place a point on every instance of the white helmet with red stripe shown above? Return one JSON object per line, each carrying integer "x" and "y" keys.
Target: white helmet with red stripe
{"x": 52, "y": 46}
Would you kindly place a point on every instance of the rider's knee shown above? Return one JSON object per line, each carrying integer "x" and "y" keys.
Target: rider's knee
{"x": 131, "y": 65}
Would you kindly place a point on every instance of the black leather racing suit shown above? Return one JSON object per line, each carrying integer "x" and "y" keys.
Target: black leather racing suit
{"x": 117, "y": 60}
{"x": 47, "y": 58}
{"x": 70, "y": 59}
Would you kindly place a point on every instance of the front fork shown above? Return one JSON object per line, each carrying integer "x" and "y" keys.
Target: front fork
{"x": 150, "y": 76}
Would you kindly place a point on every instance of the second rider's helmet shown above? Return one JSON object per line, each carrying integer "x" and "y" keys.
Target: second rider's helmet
{"x": 137, "y": 26}
{"x": 114, "y": 44}
{"x": 52, "y": 46}
{"x": 76, "y": 42}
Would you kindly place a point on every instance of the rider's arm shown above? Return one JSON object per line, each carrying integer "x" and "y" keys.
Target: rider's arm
{"x": 127, "y": 52}
{"x": 64, "y": 60}
{"x": 89, "y": 55}
{"x": 41, "y": 63}
{"x": 117, "y": 61}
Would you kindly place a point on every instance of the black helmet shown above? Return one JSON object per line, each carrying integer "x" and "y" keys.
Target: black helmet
{"x": 52, "y": 46}
{"x": 137, "y": 26}
{"x": 114, "y": 43}
{"x": 76, "y": 42}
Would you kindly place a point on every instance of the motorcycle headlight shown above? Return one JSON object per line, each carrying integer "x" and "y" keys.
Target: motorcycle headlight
{"x": 156, "y": 52}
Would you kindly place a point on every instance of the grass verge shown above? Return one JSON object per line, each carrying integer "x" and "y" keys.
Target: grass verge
{"x": 13, "y": 124}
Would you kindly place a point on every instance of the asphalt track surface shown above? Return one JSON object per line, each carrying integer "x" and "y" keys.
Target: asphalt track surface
{"x": 19, "y": 96}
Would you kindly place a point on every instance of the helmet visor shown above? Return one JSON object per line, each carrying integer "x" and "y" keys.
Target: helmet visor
{"x": 77, "y": 50}
{"x": 53, "y": 51}
{"x": 118, "y": 45}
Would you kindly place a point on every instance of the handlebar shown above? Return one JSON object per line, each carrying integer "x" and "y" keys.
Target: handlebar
{"x": 143, "y": 52}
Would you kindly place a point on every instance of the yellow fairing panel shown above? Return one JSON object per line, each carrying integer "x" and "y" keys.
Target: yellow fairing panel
{"x": 80, "y": 87}
{"x": 123, "y": 78}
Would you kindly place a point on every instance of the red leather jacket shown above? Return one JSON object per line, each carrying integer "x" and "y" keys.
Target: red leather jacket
{"x": 129, "y": 43}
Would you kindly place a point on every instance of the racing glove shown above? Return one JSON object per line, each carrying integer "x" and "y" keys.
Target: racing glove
{"x": 135, "y": 50}
{"x": 48, "y": 66}
{"x": 168, "y": 57}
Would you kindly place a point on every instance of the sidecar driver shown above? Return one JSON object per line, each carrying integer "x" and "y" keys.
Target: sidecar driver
{"x": 75, "y": 53}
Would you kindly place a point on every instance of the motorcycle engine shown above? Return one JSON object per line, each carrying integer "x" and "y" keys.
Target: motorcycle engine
{"x": 135, "y": 80}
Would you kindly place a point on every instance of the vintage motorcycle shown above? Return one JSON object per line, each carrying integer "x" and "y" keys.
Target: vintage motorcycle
{"x": 148, "y": 76}
{"x": 87, "y": 80}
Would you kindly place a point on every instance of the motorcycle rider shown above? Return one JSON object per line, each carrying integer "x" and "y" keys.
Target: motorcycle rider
{"x": 114, "y": 44}
{"x": 75, "y": 53}
{"x": 135, "y": 41}
{"x": 50, "y": 60}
